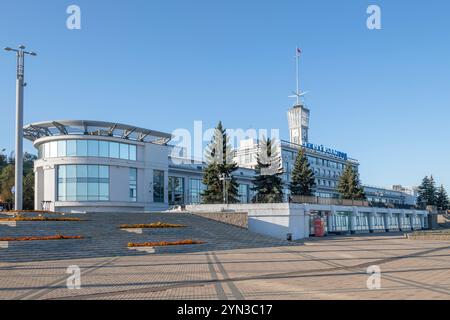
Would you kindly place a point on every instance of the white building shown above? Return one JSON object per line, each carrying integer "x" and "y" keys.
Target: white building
{"x": 101, "y": 166}
{"x": 326, "y": 163}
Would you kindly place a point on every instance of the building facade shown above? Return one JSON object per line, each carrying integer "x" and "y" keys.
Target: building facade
{"x": 101, "y": 166}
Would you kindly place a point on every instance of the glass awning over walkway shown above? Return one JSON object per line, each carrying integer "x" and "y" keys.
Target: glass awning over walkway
{"x": 39, "y": 130}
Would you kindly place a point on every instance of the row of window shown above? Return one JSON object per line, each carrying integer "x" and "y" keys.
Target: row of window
{"x": 288, "y": 167}
{"x": 89, "y": 183}
{"x": 87, "y": 148}
{"x": 83, "y": 183}
{"x": 289, "y": 155}
{"x": 383, "y": 200}
{"x": 196, "y": 187}
{"x": 319, "y": 182}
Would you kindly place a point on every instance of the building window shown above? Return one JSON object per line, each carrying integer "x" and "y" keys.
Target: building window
{"x": 124, "y": 151}
{"x": 244, "y": 194}
{"x": 88, "y": 148}
{"x": 196, "y": 187}
{"x": 62, "y": 149}
{"x": 92, "y": 148}
{"x": 133, "y": 152}
{"x": 158, "y": 186}
{"x": 176, "y": 190}
{"x": 83, "y": 183}
{"x": 71, "y": 148}
{"x": 133, "y": 185}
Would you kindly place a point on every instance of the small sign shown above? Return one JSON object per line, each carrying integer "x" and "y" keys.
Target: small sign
{"x": 143, "y": 249}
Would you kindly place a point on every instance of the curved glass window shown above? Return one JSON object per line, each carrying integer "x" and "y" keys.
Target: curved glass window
{"x": 83, "y": 183}
{"x": 88, "y": 148}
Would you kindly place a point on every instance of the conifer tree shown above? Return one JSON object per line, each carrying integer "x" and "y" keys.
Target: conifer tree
{"x": 442, "y": 200}
{"x": 268, "y": 184}
{"x": 427, "y": 192}
{"x": 349, "y": 185}
{"x": 303, "y": 181}
{"x": 219, "y": 159}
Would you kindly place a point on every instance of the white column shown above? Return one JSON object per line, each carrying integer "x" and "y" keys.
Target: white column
{"x": 387, "y": 218}
{"x": 371, "y": 217}
{"x": 331, "y": 226}
{"x": 400, "y": 220}
{"x": 353, "y": 220}
{"x": 422, "y": 221}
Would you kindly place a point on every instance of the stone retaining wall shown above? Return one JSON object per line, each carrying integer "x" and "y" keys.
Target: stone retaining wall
{"x": 237, "y": 219}
{"x": 429, "y": 237}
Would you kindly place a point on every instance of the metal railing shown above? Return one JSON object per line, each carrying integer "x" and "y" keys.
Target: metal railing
{"x": 329, "y": 201}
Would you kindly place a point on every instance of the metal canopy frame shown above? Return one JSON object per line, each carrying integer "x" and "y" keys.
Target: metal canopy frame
{"x": 39, "y": 130}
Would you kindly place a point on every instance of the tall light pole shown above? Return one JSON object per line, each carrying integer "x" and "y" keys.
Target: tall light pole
{"x": 224, "y": 178}
{"x": 20, "y": 84}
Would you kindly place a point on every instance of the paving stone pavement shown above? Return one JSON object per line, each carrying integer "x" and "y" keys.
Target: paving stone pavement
{"x": 236, "y": 264}
{"x": 103, "y": 238}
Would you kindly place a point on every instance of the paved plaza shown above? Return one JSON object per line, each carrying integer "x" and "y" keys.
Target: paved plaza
{"x": 331, "y": 268}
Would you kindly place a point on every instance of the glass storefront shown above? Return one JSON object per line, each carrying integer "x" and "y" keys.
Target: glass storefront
{"x": 176, "y": 190}
{"x": 361, "y": 222}
{"x": 83, "y": 183}
{"x": 392, "y": 222}
{"x": 244, "y": 193}
{"x": 378, "y": 221}
{"x": 340, "y": 222}
{"x": 158, "y": 186}
{"x": 87, "y": 148}
{"x": 417, "y": 223}
{"x": 406, "y": 222}
{"x": 133, "y": 184}
{"x": 196, "y": 187}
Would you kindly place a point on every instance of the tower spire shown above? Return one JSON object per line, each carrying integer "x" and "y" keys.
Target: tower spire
{"x": 298, "y": 116}
{"x": 297, "y": 94}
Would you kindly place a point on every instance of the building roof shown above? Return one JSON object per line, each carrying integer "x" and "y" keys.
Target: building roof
{"x": 39, "y": 130}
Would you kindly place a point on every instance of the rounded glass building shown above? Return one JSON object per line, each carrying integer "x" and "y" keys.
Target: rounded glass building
{"x": 99, "y": 166}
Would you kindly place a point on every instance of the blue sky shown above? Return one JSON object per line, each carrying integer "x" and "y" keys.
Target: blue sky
{"x": 381, "y": 96}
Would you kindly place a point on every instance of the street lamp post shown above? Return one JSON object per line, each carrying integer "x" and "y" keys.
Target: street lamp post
{"x": 224, "y": 178}
{"x": 20, "y": 84}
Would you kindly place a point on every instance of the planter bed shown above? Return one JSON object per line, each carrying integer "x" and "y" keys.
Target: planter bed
{"x": 39, "y": 219}
{"x": 156, "y": 225}
{"x": 164, "y": 243}
{"x": 48, "y": 238}
{"x": 31, "y": 212}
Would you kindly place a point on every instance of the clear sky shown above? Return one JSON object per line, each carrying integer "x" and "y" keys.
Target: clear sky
{"x": 382, "y": 96}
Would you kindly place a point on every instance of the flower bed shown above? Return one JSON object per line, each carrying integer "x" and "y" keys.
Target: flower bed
{"x": 57, "y": 237}
{"x": 31, "y": 211}
{"x": 164, "y": 243}
{"x": 156, "y": 225}
{"x": 20, "y": 218}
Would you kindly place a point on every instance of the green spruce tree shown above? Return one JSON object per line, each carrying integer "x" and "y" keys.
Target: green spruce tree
{"x": 303, "y": 182}
{"x": 268, "y": 184}
{"x": 349, "y": 185}
{"x": 219, "y": 159}
{"x": 442, "y": 200}
{"x": 427, "y": 192}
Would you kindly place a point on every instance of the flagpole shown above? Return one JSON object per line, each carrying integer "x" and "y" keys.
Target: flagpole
{"x": 297, "y": 58}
